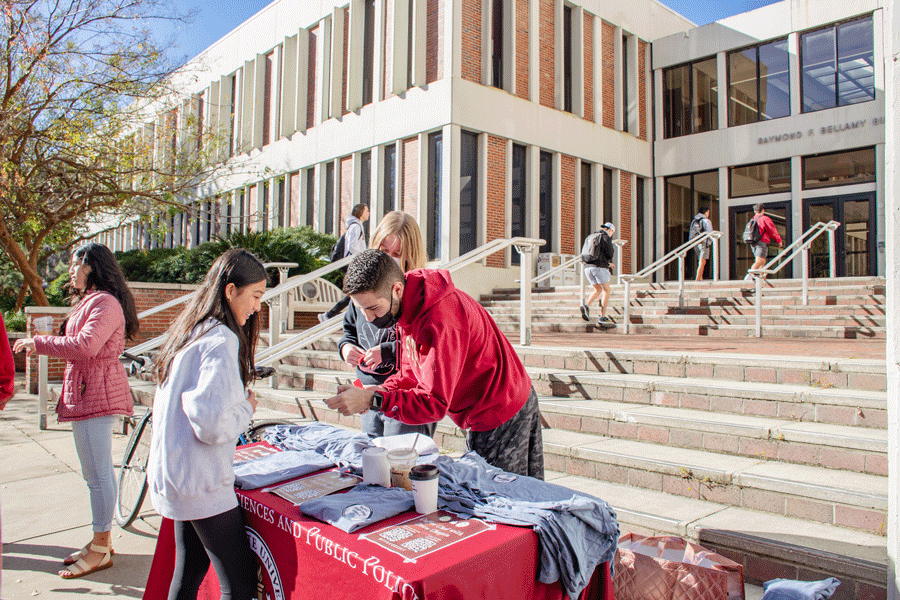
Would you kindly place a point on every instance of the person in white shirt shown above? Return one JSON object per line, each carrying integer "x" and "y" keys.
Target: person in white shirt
{"x": 354, "y": 243}
{"x": 202, "y": 405}
{"x": 703, "y": 250}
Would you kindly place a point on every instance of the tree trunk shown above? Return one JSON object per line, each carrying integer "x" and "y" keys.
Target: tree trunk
{"x": 28, "y": 271}
{"x": 20, "y": 297}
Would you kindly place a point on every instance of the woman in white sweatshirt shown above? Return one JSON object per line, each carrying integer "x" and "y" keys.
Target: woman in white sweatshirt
{"x": 202, "y": 405}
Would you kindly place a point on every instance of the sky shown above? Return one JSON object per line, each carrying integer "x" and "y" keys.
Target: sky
{"x": 215, "y": 18}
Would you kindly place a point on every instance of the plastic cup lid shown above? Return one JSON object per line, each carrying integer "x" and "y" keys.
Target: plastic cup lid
{"x": 423, "y": 472}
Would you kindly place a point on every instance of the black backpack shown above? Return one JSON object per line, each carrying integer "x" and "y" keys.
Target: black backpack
{"x": 592, "y": 249}
{"x": 338, "y": 250}
{"x": 751, "y": 232}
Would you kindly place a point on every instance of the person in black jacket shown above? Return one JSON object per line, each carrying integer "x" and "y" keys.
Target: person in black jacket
{"x": 597, "y": 272}
{"x": 370, "y": 349}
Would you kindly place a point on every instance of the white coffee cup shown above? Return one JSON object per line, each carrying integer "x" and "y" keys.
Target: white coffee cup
{"x": 43, "y": 325}
{"x": 375, "y": 466}
{"x": 424, "y": 479}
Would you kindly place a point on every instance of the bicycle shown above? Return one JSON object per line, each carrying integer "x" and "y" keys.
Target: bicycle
{"x": 132, "y": 485}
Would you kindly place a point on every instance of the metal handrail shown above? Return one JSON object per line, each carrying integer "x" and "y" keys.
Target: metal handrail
{"x": 677, "y": 254}
{"x": 522, "y": 244}
{"x": 800, "y": 245}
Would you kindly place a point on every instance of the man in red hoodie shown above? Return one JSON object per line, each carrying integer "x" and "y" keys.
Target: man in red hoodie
{"x": 453, "y": 361}
{"x": 767, "y": 233}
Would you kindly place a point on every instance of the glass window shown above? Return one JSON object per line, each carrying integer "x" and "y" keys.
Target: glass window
{"x": 368, "y": 52}
{"x": 310, "y": 196}
{"x": 763, "y": 178}
{"x": 545, "y": 201}
{"x": 390, "y": 178}
{"x": 468, "y": 192}
{"x": 328, "y": 197}
{"x": 690, "y": 98}
{"x": 607, "y": 195}
{"x": 624, "y": 83}
{"x": 497, "y": 44}
{"x": 586, "y": 204}
{"x": 676, "y": 101}
{"x": 435, "y": 159}
{"x": 839, "y": 168}
{"x": 685, "y": 196}
{"x": 517, "y": 209}
{"x": 704, "y": 80}
{"x": 639, "y": 225}
{"x": 759, "y": 86}
{"x": 567, "y": 58}
{"x": 365, "y": 177}
{"x": 837, "y": 63}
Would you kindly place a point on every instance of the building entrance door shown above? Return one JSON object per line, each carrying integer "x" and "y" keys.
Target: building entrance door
{"x": 742, "y": 257}
{"x": 854, "y": 239}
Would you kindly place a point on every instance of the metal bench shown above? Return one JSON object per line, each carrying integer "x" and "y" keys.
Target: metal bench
{"x": 316, "y": 296}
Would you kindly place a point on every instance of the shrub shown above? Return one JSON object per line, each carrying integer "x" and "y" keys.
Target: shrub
{"x": 15, "y": 321}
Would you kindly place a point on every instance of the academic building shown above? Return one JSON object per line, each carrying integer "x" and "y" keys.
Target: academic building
{"x": 489, "y": 119}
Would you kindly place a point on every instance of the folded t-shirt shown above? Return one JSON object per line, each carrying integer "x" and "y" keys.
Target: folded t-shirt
{"x": 277, "y": 467}
{"x": 789, "y": 589}
{"x": 363, "y": 505}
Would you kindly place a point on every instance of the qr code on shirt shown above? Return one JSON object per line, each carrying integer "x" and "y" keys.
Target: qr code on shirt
{"x": 418, "y": 544}
{"x": 395, "y": 535}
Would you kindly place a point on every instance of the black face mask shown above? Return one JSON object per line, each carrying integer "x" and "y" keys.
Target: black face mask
{"x": 388, "y": 319}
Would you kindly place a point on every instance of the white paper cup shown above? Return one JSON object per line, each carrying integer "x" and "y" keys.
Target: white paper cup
{"x": 424, "y": 479}
{"x": 401, "y": 461}
{"x": 375, "y": 466}
{"x": 43, "y": 325}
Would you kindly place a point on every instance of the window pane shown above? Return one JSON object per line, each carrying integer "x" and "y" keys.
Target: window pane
{"x": 676, "y": 101}
{"x": 390, "y": 175}
{"x": 775, "y": 80}
{"x": 435, "y": 160}
{"x": 766, "y": 178}
{"x": 329, "y": 197}
{"x": 817, "y": 53}
{"x": 856, "y": 238}
{"x": 607, "y": 195}
{"x": 742, "y": 105}
{"x": 706, "y": 96}
{"x": 586, "y": 212}
{"x": 545, "y": 196}
{"x": 468, "y": 192}
{"x": 856, "y": 62}
{"x": 517, "y": 216}
{"x": 824, "y": 170}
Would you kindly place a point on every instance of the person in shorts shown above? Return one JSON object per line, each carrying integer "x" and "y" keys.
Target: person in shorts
{"x": 767, "y": 233}
{"x": 598, "y": 274}
{"x": 704, "y": 249}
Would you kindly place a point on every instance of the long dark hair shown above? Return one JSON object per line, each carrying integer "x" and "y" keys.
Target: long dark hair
{"x": 237, "y": 266}
{"x": 106, "y": 276}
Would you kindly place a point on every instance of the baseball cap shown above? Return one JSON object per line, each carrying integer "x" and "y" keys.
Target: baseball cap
{"x": 609, "y": 227}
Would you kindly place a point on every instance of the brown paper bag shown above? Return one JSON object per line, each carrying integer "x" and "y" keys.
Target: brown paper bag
{"x": 671, "y": 568}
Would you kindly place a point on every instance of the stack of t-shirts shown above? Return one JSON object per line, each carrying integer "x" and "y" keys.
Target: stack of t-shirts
{"x": 576, "y": 531}
{"x": 364, "y": 505}
{"x": 342, "y": 447}
{"x": 277, "y": 467}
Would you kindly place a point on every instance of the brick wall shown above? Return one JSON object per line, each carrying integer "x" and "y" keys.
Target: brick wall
{"x": 388, "y": 63}
{"x": 568, "y": 197}
{"x": 409, "y": 198}
{"x": 346, "y": 203}
{"x": 522, "y": 45}
{"x": 311, "y": 103}
{"x": 345, "y": 61}
{"x": 471, "y": 40}
{"x": 588, "y": 66}
{"x": 609, "y": 82}
{"x": 146, "y": 296}
{"x": 642, "y": 88}
{"x": 625, "y": 220}
{"x": 547, "y": 64}
{"x": 434, "y": 44}
{"x": 496, "y": 196}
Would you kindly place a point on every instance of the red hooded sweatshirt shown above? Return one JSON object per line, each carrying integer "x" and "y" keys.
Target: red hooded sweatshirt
{"x": 453, "y": 359}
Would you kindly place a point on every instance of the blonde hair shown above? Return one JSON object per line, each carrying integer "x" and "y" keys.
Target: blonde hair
{"x": 405, "y": 228}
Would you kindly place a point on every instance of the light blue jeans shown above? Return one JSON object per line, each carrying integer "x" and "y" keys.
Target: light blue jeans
{"x": 93, "y": 442}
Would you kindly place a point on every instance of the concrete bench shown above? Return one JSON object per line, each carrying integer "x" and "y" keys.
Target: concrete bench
{"x": 314, "y": 296}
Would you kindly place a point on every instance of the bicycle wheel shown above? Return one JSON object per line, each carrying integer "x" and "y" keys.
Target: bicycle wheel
{"x": 257, "y": 430}
{"x": 133, "y": 473}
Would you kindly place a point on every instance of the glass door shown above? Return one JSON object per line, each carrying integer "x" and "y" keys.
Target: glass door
{"x": 854, "y": 239}
{"x": 742, "y": 257}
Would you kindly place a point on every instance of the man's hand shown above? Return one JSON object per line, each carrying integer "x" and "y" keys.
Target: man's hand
{"x": 351, "y": 400}
{"x": 352, "y": 354}
{"x": 372, "y": 357}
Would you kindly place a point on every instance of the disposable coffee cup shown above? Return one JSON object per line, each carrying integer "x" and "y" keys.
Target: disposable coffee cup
{"x": 424, "y": 479}
{"x": 376, "y": 469}
{"x": 43, "y": 325}
{"x": 402, "y": 460}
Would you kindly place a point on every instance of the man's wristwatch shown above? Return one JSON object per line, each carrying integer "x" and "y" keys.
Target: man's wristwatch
{"x": 377, "y": 400}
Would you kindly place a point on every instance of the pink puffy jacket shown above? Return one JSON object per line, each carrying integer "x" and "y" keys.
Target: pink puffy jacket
{"x": 94, "y": 383}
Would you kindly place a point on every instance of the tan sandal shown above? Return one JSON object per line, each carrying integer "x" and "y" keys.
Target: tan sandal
{"x": 80, "y": 567}
{"x": 73, "y": 558}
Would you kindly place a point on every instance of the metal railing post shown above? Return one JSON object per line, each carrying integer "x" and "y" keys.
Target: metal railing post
{"x": 832, "y": 271}
{"x": 626, "y": 313}
{"x": 715, "y": 257}
{"x": 619, "y": 244}
{"x": 275, "y": 323}
{"x": 43, "y": 391}
{"x": 581, "y": 280}
{"x": 525, "y": 295}
{"x": 805, "y": 271}
{"x": 680, "y": 279}
{"x": 758, "y": 304}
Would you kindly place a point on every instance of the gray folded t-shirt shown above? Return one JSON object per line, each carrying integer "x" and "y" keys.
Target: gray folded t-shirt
{"x": 277, "y": 467}
{"x": 363, "y": 505}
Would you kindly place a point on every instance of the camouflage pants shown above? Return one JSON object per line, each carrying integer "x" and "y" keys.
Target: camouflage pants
{"x": 514, "y": 446}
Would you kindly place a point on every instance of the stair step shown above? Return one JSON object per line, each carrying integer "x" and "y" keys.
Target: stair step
{"x": 709, "y": 330}
{"x": 832, "y": 446}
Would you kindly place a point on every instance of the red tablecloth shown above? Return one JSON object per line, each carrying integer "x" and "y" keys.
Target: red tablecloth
{"x": 305, "y": 558}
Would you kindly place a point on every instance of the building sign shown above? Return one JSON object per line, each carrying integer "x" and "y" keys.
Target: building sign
{"x": 823, "y": 130}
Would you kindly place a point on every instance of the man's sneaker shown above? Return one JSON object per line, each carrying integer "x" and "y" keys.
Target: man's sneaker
{"x": 585, "y": 312}
{"x": 322, "y": 317}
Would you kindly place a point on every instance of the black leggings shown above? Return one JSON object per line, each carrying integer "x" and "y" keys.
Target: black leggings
{"x": 222, "y": 541}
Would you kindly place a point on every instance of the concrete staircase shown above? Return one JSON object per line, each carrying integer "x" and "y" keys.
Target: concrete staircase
{"x": 850, "y": 307}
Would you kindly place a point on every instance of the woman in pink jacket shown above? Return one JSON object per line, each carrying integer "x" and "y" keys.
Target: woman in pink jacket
{"x": 95, "y": 388}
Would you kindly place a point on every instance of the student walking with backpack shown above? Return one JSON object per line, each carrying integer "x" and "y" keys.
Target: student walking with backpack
{"x": 759, "y": 233}
{"x": 353, "y": 241}
{"x": 700, "y": 225}
{"x": 597, "y": 254}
